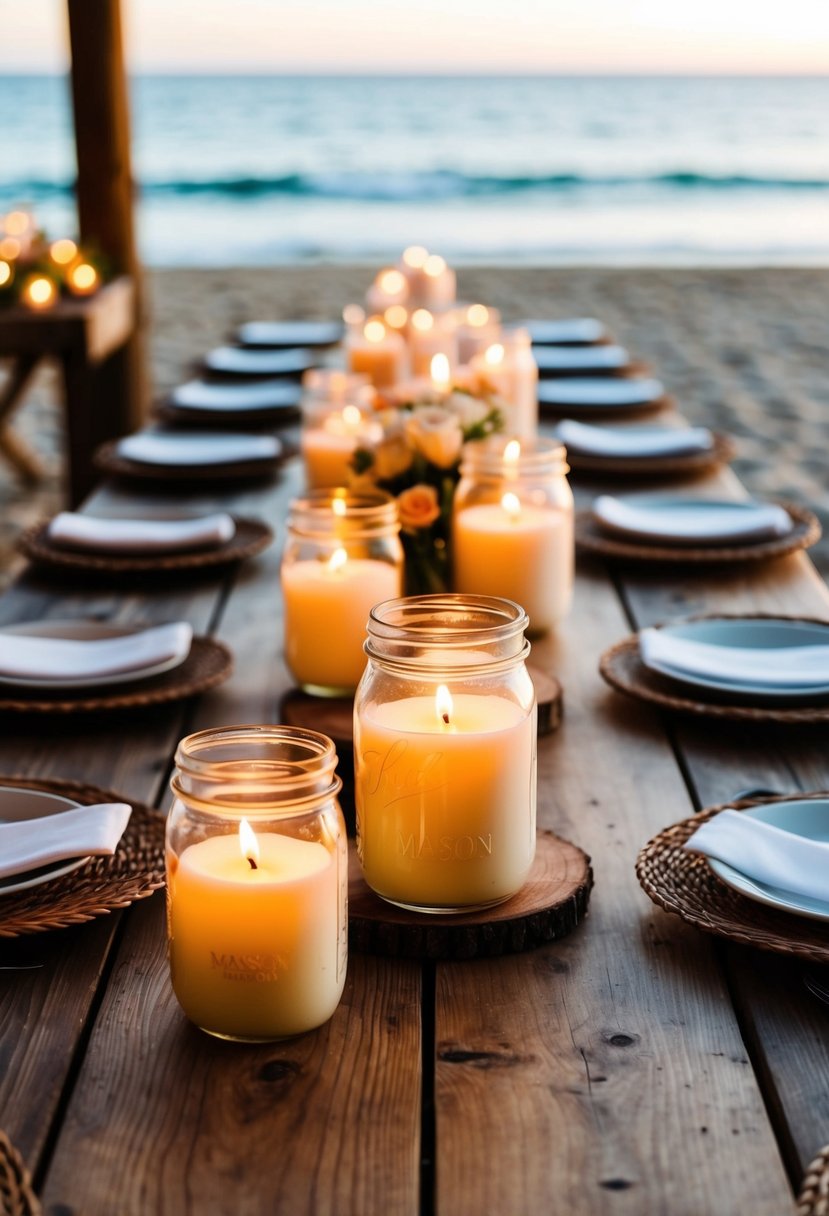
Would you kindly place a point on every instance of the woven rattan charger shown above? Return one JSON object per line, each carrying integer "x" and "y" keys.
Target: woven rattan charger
{"x": 683, "y": 883}
{"x": 690, "y": 464}
{"x": 622, "y": 668}
{"x": 134, "y": 871}
{"x": 250, "y": 538}
{"x": 591, "y": 538}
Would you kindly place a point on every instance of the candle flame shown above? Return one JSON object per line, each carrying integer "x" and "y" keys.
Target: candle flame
{"x": 422, "y": 319}
{"x": 494, "y": 354}
{"x": 353, "y": 314}
{"x": 5, "y": 273}
{"x": 440, "y": 371}
{"x": 351, "y": 417}
{"x": 512, "y": 505}
{"x": 10, "y": 248}
{"x": 512, "y": 452}
{"x": 415, "y": 256}
{"x": 39, "y": 292}
{"x": 434, "y": 266}
{"x": 337, "y": 560}
{"x": 444, "y": 707}
{"x": 248, "y": 844}
{"x": 63, "y": 252}
{"x": 83, "y": 277}
{"x": 375, "y": 330}
{"x": 17, "y": 222}
{"x": 477, "y": 314}
{"x": 391, "y": 281}
{"x": 396, "y": 316}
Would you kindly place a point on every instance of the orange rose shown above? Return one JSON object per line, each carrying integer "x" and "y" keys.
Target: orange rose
{"x": 418, "y": 507}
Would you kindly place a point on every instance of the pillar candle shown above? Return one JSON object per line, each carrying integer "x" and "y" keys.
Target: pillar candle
{"x": 326, "y": 608}
{"x": 429, "y": 336}
{"x": 255, "y": 953}
{"x": 478, "y": 327}
{"x": 389, "y": 289}
{"x": 519, "y": 551}
{"x": 376, "y": 351}
{"x": 328, "y": 446}
{"x": 432, "y": 284}
{"x": 445, "y": 798}
{"x": 510, "y": 370}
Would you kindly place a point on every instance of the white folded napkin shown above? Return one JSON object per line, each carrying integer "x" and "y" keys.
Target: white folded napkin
{"x": 765, "y": 853}
{"x": 48, "y": 658}
{"x": 691, "y": 521}
{"x": 140, "y": 535}
{"x": 154, "y": 447}
{"x": 635, "y": 441}
{"x": 262, "y": 394}
{"x": 567, "y": 358}
{"x": 786, "y": 666}
{"x": 86, "y": 830}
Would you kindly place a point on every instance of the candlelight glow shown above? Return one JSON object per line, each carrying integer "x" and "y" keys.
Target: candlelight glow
{"x": 10, "y": 248}
{"x": 511, "y": 504}
{"x": 63, "y": 252}
{"x": 39, "y": 292}
{"x": 396, "y": 316}
{"x": 337, "y": 560}
{"x": 440, "y": 371}
{"x": 415, "y": 257}
{"x": 422, "y": 320}
{"x": 375, "y": 330}
{"x": 352, "y": 418}
{"x": 512, "y": 451}
{"x": 248, "y": 844}
{"x": 83, "y": 278}
{"x": 391, "y": 281}
{"x": 17, "y": 222}
{"x": 443, "y": 704}
{"x": 338, "y": 503}
{"x": 477, "y": 314}
{"x": 5, "y": 273}
{"x": 494, "y": 354}
{"x": 353, "y": 314}
{"x": 434, "y": 266}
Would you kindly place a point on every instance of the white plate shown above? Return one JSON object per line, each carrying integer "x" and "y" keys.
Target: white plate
{"x": 759, "y": 635}
{"x": 18, "y": 805}
{"x": 809, "y": 818}
{"x": 580, "y": 360}
{"x": 567, "y": 331}
{"x": 591, "y": 392}
{"x": 173, "y": 449}
{"x": 684, "y": 520}
{"x": 258, "y": 395}
{"x": 245, "y": 361}
{"x": 283, "y": 334}
{"x": 86, "y": 631}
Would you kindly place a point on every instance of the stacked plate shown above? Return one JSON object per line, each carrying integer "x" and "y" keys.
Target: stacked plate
{"x": 587, "y": 396}
{"x": 233, "y": 361}
{"x": 642, "y": 450}
{"x": 282, "y": 335}
{"x": 254, "y": 403}
{"x": 604, "y": 360}
{"x": 568, "y": 331}
{"x": 190, "y": 455}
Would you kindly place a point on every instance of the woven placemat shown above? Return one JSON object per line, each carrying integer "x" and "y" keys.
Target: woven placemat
{"x": 591, "y": 538}
{"x": 813, "y": 1199}
{"x": 251, "y": 537}
{"x": 683, "y": 883}
{"x": 135, "y": 870}
{"x": 622, "y": 668}
{"x": 16, "y": 1195}
{"x": 722, "y": 451}
{"x": 107, "y": 460}
{"x": 209, "y": 663}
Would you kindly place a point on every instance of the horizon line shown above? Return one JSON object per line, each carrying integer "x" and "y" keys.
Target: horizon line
{"x": 481, "y": 72}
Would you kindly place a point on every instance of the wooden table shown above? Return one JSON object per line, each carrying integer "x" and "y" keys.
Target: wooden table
{"x": 88, "y": 336}
{"x": 636, "y": 1067}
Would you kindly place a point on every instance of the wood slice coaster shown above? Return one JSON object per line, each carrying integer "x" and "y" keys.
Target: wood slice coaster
{"x": 722, "y": 451}
{"x": 241, "y": 361}
{"x": 622, "y": 668}
{"x": 592, "y": 397}
{"x": 601, "y": 360}
{"x": 251, "y": 537}
{"x": 209, "y": 663}
{"x": 108, "y": 461}
{"x": 813, "y": 1198}
{"x": 566, "y": 331}
{"x": 334, "y": 716}
{"x": 591, "y": 538}
{"x": 275, "y": 335}
{"x": 17, "y": 1198}
{"x": 552, "y": 902}
{"x": 134, "y": 871}
{"x": 683, "y": 883}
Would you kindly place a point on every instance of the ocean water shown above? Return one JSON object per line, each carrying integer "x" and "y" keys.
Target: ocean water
{"x": 630, "y": 170}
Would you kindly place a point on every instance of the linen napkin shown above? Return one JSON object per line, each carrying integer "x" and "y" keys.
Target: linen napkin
{"x": 636, "y": 441}
{"x": 798, "y": 667}
{"x": 47, "y": 658}
{"x": 691, "y": 521}
{"x": 30, "y": 843}
{"x": 214, "y": 447}
{"x": 262, "y": 394}
{"x": 765, "y": 853}
{"x": 140, "y": 535}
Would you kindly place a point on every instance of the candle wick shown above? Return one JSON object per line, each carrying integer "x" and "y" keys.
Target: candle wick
{"x": 253, "y": 864}
{"x": 445, "y": 718}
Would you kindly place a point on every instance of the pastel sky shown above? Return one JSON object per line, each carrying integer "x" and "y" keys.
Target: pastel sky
{"x": 442, "y": 35}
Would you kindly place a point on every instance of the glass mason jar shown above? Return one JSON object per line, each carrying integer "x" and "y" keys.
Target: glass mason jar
{"x": 512, "y": 526}
{"x": 342, "y": 556}
{"x": 257, "y": 882}
{"x": 337, "y": 418}
{"x": 445, "y": 753}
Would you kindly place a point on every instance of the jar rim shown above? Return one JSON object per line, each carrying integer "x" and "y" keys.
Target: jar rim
{"x": 489, "y": 455}
{"x": 426, "y": 632}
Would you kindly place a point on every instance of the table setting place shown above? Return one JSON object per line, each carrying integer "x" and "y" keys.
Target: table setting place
{"x": 642, "y": 450}
{"x": 254, "y": 403}
{"x": 663, "y": 527}
{"x": 104, "y": 546}
{"x": 189, "y": 455}
{"x": 606, "y": 359}
{"x": 605, "y": 397}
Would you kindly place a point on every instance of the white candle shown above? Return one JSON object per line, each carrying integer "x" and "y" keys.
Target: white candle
{"x": 432, "y": 284}
{"x": 255, "y": 953}
{"x": 377, "y": 352}
{"x": 519, "y": 551}
{"x": 328, "y": 447}
{"x": 389, "y": 289}
{"x": 478, "y": 328}
{"x": 326, "y": 608}
{"x": 446, "y": 787}
{"x": 508, "y": 368}
{"x": 429, "y": 336}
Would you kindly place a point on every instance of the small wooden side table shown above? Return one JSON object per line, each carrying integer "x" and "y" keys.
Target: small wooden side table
{"x": 89, "y": 338}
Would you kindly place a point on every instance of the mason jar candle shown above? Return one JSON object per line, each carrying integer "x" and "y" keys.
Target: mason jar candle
{"x": 445, "y": 753}
{"x": 257, "y": 882}
{"x": 342, "y": 556}
{"x": 331, "y": 434}
{"x": 376, "y": 350}
{"x": 512, "y": 526}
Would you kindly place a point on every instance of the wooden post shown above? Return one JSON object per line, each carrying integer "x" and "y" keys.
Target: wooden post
{"x": 104, "y": 193}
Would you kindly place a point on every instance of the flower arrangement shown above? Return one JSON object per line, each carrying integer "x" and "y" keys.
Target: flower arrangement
{"x": 418, "y": 461}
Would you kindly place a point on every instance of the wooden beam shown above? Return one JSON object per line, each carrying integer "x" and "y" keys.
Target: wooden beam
{"x": 105, "y": 184}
